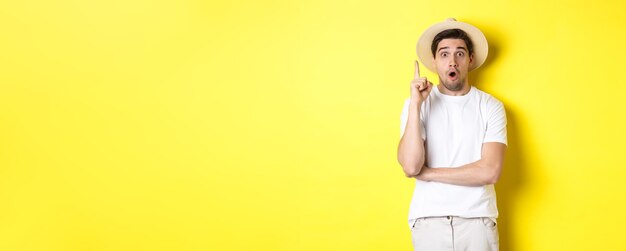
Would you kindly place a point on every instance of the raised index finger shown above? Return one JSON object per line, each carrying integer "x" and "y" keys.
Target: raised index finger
{"x": 417, "y": 70}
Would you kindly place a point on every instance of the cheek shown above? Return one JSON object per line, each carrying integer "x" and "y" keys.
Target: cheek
{"x": 466, "y": 61}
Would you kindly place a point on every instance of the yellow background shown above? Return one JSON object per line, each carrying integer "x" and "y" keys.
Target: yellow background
{"x": 273, "y": 125}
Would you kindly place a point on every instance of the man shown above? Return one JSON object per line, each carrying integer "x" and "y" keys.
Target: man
{"x": 453, "y": 140}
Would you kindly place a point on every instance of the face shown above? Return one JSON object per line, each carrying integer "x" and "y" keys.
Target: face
{"x": 452, "y": 60}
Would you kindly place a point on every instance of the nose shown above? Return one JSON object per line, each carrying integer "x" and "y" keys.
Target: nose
{"x": 452, "y": 62}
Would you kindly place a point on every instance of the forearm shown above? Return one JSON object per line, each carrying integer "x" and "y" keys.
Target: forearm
{"x": 411, "y": 154}
{"x": 479, "y": 173}
{"x": 473, "y": 174}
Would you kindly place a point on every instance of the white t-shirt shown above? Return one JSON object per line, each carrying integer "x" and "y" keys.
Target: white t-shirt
{"x": 454, "y": 129}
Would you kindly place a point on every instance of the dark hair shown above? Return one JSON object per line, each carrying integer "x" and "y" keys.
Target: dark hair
{"x": 452, "y": 33}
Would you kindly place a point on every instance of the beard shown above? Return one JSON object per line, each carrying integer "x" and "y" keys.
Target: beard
{"x": 456, "y": 85}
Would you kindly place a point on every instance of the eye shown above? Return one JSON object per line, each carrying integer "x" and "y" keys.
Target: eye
{"x": 444, "y": 54}
{"x": 460, "y": 53}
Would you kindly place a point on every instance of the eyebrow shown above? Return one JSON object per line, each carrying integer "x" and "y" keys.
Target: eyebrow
{"x": 460, "y": 47}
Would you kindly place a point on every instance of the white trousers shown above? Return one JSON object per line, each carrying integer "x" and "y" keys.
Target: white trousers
{"x": 454, "y": 234}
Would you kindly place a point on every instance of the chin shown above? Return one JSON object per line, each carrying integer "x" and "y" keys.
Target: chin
{"x": 453, "y": 86}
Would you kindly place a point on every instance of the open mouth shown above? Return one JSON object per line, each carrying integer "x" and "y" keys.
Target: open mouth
{"x": 452, "y": 74}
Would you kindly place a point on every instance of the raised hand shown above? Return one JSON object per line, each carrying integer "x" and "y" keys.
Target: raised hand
{"x": 420, "y": 87}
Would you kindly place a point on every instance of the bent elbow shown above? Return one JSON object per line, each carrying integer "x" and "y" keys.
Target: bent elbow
{"x": 411, "y": 172}
{"x": 491, "y": 181}
{"x": 493, "y": 176}
{"x": 410, "y": 168}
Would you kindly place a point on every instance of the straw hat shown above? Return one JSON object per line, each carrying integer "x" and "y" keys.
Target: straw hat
{"x": 479, "y": 41}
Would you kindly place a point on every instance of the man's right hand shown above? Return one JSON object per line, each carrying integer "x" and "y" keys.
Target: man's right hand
{"x": 420, "y": 87}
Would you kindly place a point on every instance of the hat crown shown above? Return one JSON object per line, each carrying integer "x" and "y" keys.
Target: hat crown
{"x": 451, "y": 19}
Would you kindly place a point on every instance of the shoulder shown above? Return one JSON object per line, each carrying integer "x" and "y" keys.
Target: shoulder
{"x": 487, "y": 99}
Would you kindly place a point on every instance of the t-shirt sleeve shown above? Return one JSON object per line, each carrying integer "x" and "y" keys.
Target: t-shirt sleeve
{"x": 404, "y": 117}
{"x": 496, "y": 124}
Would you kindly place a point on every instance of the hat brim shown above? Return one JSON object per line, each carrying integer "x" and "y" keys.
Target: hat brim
{"x": 481, "y": 48}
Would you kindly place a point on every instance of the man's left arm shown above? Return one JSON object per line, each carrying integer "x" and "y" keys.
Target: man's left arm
{"x": 482, "y": 172}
